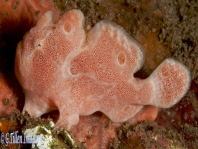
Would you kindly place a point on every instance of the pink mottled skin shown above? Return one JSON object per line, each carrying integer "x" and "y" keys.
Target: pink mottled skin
{"x": 59, "y": 66}
{"x": 16, "y": 18}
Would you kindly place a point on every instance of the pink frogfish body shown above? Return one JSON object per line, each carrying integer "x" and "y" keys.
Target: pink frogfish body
{"x": 61, "y": 67}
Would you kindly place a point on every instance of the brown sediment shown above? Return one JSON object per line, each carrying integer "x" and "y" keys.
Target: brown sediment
{"x": 20, "y": 122}
{"x": 180, "y": 32}
{"x": 147, "y": 135}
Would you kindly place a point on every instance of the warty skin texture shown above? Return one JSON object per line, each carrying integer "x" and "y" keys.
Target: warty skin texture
{"x": 59, "y": 66}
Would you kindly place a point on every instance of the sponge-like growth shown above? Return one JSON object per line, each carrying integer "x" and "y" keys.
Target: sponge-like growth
{"x": 61, "y": 67}
{"x": 23, "y": 14}
{"x": 8, "y": 100}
